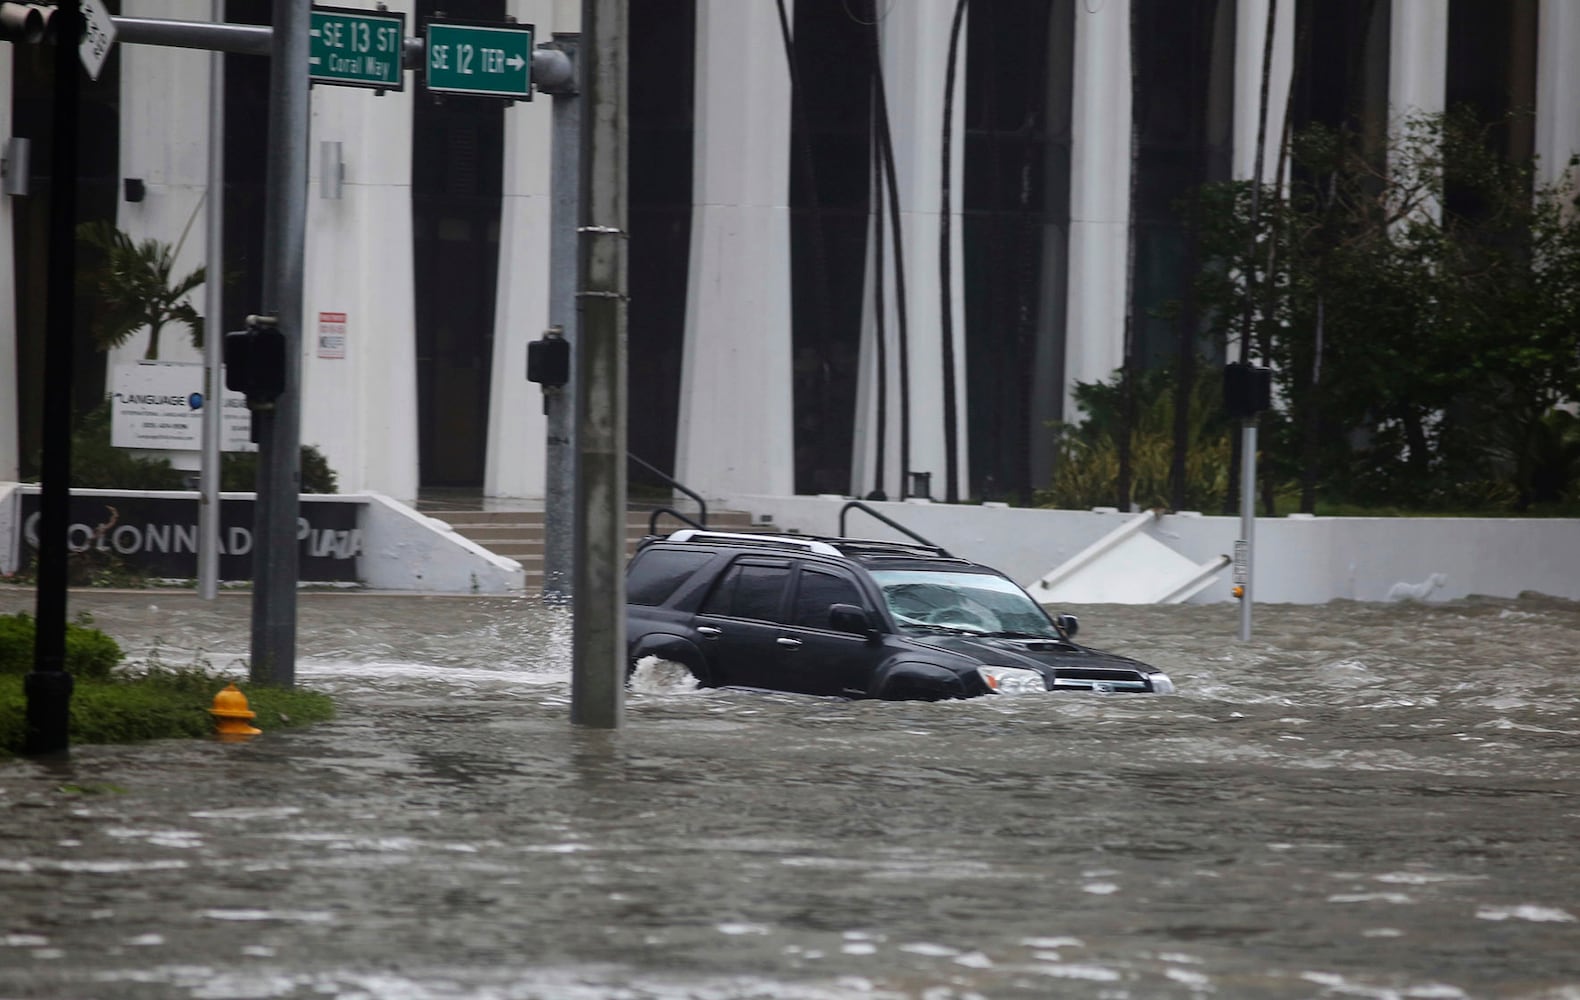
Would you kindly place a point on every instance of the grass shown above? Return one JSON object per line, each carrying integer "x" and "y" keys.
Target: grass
{"x": 155, "y": 701}
{"x": 157, "y": 704}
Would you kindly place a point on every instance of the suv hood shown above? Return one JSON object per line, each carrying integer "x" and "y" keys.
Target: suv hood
{"x": 1066, "y": 665}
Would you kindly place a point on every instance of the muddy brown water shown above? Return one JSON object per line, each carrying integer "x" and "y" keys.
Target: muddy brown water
{"x": 1363, "y": 801}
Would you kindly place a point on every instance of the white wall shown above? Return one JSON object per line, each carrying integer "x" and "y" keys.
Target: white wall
{"x": 734, "y": 428}
{"x": 1297, "y": 560}
{"x": 517, "y": 427}
{"x": 1557, "y": 85}
{"x": 915, "y": 47}
{"x": 361, "y": 410}
{"x": 1099, "y": 196}
{"x": 1418, "y": 56}
{"x": 164, "y": 142}
{"x": 1249, "y": 44}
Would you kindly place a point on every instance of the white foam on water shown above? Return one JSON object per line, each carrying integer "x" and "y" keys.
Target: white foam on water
{"x": 1535, "y": 914}
{"x": 658, "y": 676}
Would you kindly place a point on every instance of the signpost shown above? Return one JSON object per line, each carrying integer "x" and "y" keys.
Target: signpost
{"x": 356, "y": 48}
{"x": 480, "y": 59}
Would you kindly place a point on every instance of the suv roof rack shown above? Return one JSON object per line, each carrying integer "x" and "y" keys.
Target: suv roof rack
{"x": 884, "y": 547}
{"x": 817, "y": 545}
{"x": 850, "y": 548}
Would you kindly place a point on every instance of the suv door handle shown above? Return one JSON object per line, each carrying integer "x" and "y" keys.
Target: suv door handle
{"x": 788, "y": 642}
{"x": 709, "y": 632}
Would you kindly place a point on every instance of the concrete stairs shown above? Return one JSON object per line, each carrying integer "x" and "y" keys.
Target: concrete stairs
{"x": 519, "y": 534}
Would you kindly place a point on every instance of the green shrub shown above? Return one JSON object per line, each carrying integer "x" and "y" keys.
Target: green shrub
{"x": 239, "y": 472}
{"x": 97, "y": 464}
{"x": 1087, "y": 469}
{"x": 89, "y": 652}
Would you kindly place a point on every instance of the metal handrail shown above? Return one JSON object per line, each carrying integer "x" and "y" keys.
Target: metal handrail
{"x": 702, "y": 505}
{"x": 897, "y": 526}
{"x": 652, "y": 522}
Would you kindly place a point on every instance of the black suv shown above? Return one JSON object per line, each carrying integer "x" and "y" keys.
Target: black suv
{"x": 854, "y": 618}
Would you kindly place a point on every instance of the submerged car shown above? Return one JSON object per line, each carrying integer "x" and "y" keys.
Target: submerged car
{"x": 854, "y": 618}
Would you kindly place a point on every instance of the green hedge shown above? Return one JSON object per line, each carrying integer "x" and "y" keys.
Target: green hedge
{"x": 90, "y": 654}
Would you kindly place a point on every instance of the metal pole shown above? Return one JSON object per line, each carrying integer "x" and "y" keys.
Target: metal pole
{"x": 598, "y": 634}
{"x": 559, "y": 494}
{"x": 244, "y": 39}
{"x": 274, "y": 551}
{"x": 48, "y": 686}
{"x": 213, "y": 328}
{"x": 1247, "y": 518}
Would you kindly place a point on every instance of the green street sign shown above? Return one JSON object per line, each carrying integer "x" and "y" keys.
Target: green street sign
{"x": 356, "y": 48}
{"x": 480, "y": 58}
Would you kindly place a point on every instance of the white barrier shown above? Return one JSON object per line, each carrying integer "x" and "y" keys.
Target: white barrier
{"x": 1297, "y": 559}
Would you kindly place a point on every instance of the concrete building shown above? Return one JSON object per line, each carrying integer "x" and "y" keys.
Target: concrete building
{"x": 806, "y": 317}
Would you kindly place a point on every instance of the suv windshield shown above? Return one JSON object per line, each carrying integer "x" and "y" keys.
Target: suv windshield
{"x": 934, "y": 600}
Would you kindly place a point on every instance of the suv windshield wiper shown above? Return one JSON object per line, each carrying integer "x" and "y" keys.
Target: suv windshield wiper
{"x": 1020, "y": 635}
{"x": 937, "y": 627}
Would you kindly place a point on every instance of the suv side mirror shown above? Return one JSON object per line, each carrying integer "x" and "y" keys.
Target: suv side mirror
{"x": 1067, "y": 625}
{"x": 850, "y": 618}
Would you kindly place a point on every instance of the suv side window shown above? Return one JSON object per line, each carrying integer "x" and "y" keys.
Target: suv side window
{"x": 750, "y": 590}
{"x": 816, "y": 590}
{"x": 657, "y": 572}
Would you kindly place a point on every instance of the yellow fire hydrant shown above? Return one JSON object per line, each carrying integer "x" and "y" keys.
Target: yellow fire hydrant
{"x": 231, "y": 713}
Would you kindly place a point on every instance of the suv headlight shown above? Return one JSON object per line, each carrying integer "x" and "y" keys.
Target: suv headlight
{"x": 1012, "y": 680}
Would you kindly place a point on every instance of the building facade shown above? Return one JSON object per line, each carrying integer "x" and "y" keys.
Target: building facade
{"x": 868, "y": 238}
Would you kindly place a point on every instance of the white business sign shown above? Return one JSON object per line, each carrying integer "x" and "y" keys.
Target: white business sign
{"x": 159, "y": 404}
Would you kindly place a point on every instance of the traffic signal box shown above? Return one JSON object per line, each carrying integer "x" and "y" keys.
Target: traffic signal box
{"x": 1247, "y": 389}
{"x": 255, "y": 364}
{"x": 29, "y": 23}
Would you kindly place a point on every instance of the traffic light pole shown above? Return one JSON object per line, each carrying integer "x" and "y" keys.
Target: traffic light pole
{"x": 278, "y": 425}
{"x": 213, "y": 309}
{"x": 1247, "y": 519}
{"x": 559, "y": 485}
{"x": 598, "y": 631}
{"x": 48, "y": 687}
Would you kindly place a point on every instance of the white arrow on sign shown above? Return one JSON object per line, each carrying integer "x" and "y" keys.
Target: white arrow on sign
{"x": 515, "y": 62}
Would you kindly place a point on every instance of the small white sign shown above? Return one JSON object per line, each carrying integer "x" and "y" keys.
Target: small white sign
{"x": 331, "y": 335}
{"x": 159, "y": 404}
{"x": 98, "y": 34}
{"x": 1242, "y": 561}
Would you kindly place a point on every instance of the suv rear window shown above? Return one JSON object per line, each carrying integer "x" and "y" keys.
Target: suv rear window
{"x": 656, "y": 574}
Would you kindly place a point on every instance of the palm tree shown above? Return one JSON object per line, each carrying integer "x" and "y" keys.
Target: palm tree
{"x": 135, "y": 289}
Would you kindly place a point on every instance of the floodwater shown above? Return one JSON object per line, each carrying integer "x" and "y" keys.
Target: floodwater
{"x": 1364, "y": 801}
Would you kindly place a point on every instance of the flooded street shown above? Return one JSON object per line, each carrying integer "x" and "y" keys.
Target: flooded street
{"x": 1364, "y": 801}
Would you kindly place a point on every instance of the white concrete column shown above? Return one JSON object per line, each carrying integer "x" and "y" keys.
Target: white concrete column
{"x": 164, "y": 143}
{"x": 1249, "y": 42}
{"x": 516, "y": 423}
{"x": 359, "y": 401}
{"x": 1417, "y": 58}
{"x": 1557, "y": 86}
{"x": 735, "y": 431}
{"x": 915, "y": 51}
{"x": 1099, "y": 196}
{"x": 10, "y": 418}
